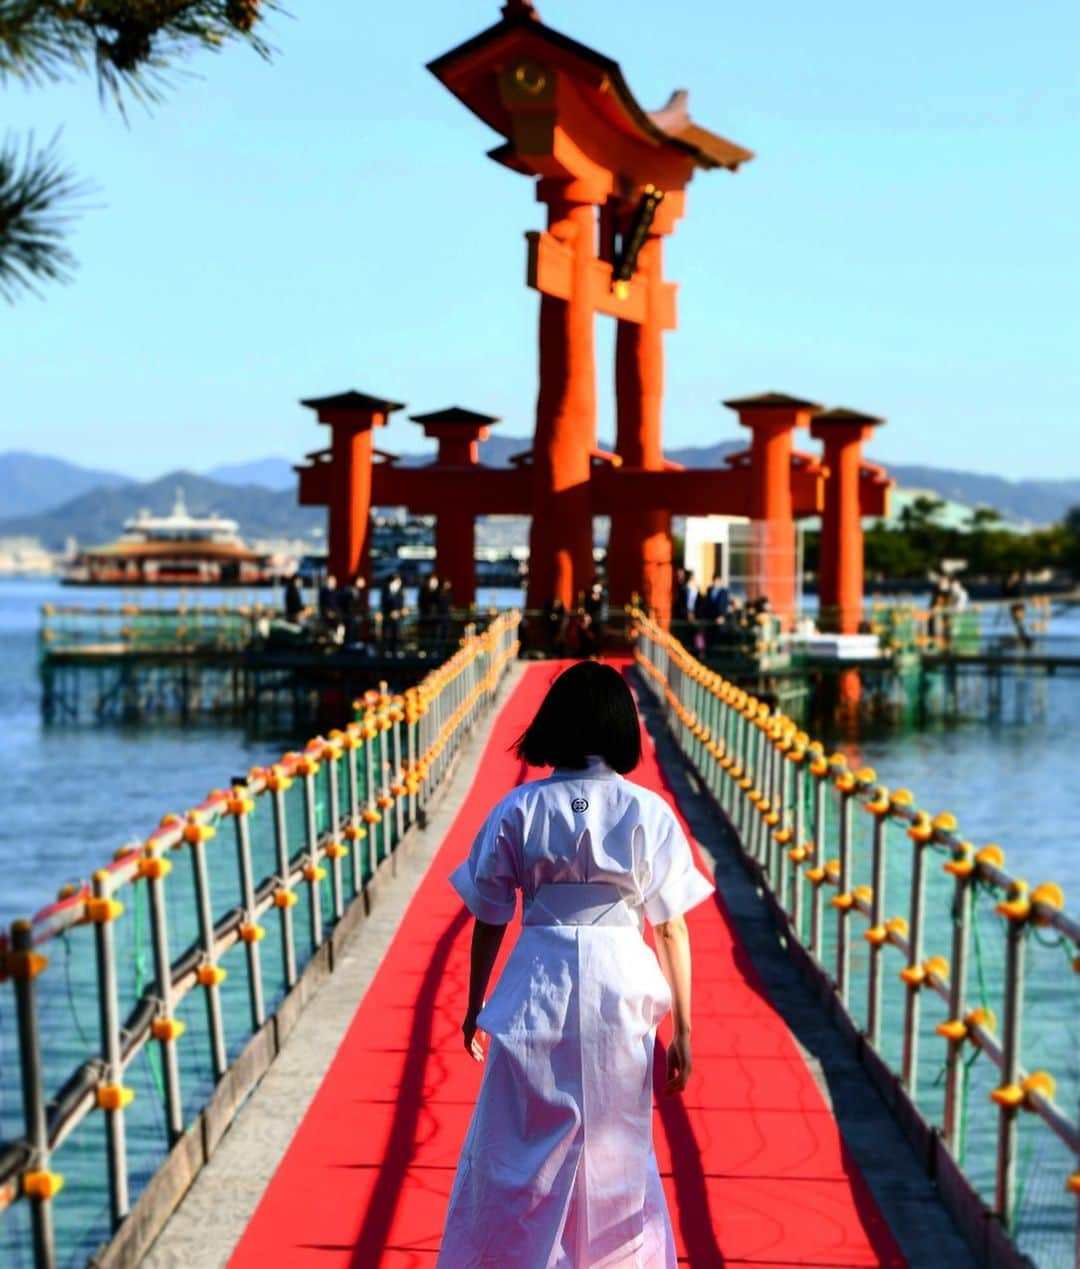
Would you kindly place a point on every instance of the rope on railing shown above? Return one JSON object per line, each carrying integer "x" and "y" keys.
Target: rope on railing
{"x": 358, "y": 790}
{"x": 771, "y": 780}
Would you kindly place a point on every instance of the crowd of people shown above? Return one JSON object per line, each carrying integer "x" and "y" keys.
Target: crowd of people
{"x": 708, "y": 619}
{"x": 344, "y": 614}
{"x": 578, "y": 631}
{"x": 713, "y": 619}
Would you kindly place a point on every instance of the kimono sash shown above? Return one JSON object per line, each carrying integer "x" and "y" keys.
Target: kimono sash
{"x": 578, "y": 903}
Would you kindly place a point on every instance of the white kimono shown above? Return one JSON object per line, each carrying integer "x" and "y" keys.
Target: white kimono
{"x": 558, "y": 1169}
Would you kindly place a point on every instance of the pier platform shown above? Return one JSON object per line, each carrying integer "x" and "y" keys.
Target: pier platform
{"x": 780, "y": 1153}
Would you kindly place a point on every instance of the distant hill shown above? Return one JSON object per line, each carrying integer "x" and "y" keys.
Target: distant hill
{"x": 98, "y": 516}
{"x": 270, "y": 473}
{"x": 36, "y": 482}
{"x": 1030, "y": 501}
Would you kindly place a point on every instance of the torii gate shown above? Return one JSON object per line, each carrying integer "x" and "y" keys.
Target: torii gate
{"x": 613, "y": 178}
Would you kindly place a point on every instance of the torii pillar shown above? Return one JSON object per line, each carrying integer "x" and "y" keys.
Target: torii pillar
{"x": 561, "y": 530}
{"x": 840, "y": 555}
{"x": 639, "y": 546}
{"x": 773, "y": 418}
{"x": 352, "y": 417}
{"x": 459, "y": 433}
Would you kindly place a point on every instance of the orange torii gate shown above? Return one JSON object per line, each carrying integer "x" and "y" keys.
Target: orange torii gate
{"x": 613, "y": 179}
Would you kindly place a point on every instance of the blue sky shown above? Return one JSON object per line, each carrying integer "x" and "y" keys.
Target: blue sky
{"x": 906, "y": 242}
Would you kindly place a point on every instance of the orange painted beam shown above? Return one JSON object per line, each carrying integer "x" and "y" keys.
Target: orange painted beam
{"x": 549, "y": 271}
{"x": 491, "y": 491}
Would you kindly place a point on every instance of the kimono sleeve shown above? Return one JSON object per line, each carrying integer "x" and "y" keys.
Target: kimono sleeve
{"x": 486, "y": 881}
{"x": 675, "y": 885}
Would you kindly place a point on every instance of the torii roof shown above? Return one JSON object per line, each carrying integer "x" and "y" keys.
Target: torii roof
{"x": 456, "y": 414}
{"x": 670, "y": 125}
{"x": 352, "y": 400}
{"x": 843, "y": 415}
{"x": 772, "y": 400}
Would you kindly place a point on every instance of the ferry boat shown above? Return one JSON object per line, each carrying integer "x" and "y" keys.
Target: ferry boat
{"x": 179, "y": 549}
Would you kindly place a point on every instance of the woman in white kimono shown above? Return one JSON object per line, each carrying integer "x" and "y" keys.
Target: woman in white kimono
{"x": 558, "y": 1169}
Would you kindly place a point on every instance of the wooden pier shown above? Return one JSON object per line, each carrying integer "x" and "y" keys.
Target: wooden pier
{"x": 129, "y": 665}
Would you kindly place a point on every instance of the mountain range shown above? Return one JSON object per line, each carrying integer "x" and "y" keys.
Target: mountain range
{"x": 98, "y": 515}
{"x": 53, "y": 500}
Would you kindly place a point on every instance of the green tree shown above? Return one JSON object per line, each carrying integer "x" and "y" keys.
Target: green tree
{"x": 129, "y": 46}
{"x": 984, "y": 517}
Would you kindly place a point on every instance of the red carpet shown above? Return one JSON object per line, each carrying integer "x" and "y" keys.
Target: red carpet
{"x": 753, "y": 1164}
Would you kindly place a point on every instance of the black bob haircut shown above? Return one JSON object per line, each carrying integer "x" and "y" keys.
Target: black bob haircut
{"x": 588, "y": 710}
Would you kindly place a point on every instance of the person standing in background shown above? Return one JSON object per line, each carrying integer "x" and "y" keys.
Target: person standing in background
{"x": 555, "y": 621}
{"x": 329, "y": 612}
{"x": 427, "y": 609}
{"x": 393, "y": 610}
{"x": 295, "y": 607}
{"x": 678, "y": 596}
{"x": 444, "y": 607}
{"x": 353, "y": 601}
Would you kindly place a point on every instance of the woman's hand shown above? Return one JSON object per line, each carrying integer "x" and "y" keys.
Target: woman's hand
{"x": 473, "y": 1047}
{"x": 679, "y": 1064}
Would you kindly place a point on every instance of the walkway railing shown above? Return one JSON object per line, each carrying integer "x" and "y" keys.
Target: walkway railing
{"x": 257, "y": 923}
{"x": 795, "y": 809}
{"x": 997, "y": 626}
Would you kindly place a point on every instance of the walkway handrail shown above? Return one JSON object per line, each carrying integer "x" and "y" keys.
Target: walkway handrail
{"x": 771, "y": 780}
{"x": 356, "y": 791}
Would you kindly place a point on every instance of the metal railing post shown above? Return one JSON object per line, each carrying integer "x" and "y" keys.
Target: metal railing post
{"x": 954, "y": 1057}
{"x": 112, "y": 1097}
{"x": 312, "y": 870}
{"x": 914, "y": 974}
{"x": 336, "y": 892}
{"x": 167, "y": 1029}
{"x": 398, "y": 773}
{"x": 796, "y": 842}
{"x": 412, "y": 725}
{"x": 777, "y": 814}
{"x": 353, "y": 828}
{"x": 817, "y": 899}
{"x": 240, "y": 806}
{"x": 26, "y": 965}
{"x": 782, "y": 824}
{"x": 875, "y": 934}
{"x": 210, "y": 979}
{"x": 285, "y": 898}
{"x": 1008, "y": 1111}
{"x": 842, "y": 900}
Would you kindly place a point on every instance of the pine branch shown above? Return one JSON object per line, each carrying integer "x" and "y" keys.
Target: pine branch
{"x": 131, "y": 45}
{"x": 38, "y": 199}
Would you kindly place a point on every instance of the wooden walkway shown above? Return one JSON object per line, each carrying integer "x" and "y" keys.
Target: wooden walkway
{"x": 754, "y": 1164}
